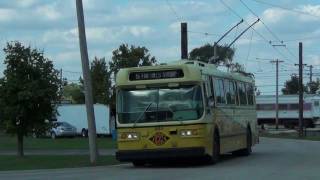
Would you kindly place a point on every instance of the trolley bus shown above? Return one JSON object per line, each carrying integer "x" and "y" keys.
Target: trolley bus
{"x": 187, "y": 109}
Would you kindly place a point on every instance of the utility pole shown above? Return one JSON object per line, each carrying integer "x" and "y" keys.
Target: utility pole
{"x": 310, "y": 70}
{"x": 87, "y": 83}
{"x": 184, "y": 40}
{"x": 277, "y": 61}
{"x": 300, "y": 91}
{"x": 61, "y": 85}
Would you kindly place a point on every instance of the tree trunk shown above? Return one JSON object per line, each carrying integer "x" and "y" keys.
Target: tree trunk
{"x": 20, "y": 144}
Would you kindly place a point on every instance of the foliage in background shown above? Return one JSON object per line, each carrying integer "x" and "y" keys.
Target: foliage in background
{"x": 132, "y": 56}
{"x": 314, "y": 86}
{"x": 206, "y": 52}
{"x": 292, "y": 86}
{"x": 74, "y": 93}
{"x": 101, "y": 81}
{"x": 28, "y": 91}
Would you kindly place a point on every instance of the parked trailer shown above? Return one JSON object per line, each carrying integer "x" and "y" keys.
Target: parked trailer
{"x": 76, "y": 115}
{"x": 288, "y": 107}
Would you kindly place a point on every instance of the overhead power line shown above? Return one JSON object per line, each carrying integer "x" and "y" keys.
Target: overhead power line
{"x": 269, "y": 30}
{"x": 264, "y": 38}
{"x": 179, "y": 18}
{"x": 264, "y": 24}
{"x": 286, "y": 8}
{"x": 204, "y": 33}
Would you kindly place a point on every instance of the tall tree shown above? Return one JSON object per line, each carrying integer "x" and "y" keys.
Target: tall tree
{"x": 292, "y": 86}
{"x": 101, "y": 81}
{"x": 124, "y": 57}
{"x": 74, "y": 92}
{"x": 206, "y": 52}
{"x": 314, "y": 86}
{"x": 28, "y": 91}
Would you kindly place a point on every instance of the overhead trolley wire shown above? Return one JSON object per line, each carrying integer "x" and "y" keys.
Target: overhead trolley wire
{"x": 285, "y": 8}
{"x": 264, "y": 38}
{"x": 268, "y": 29}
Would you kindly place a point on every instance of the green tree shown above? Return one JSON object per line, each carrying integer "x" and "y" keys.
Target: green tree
{"x": 74, "y": 92}
{"x": 101, "y": 81}
{"x": 28, "y": 91}
{"x": 292, "y": 86}
{"x": 206, "y": 52}
{"x": 314, "y": 86}
{"x": 125, "y": 57}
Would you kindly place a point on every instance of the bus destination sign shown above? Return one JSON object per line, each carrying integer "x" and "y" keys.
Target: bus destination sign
{"x": 149, "y": 75}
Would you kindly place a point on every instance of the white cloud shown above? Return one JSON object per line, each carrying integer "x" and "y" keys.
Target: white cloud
{"x": 274, "y": 15}
{"x": 313, "y": 59}
{"x": 48, "y": 11}
{"x": 312, "y": 10}
{"x": 25, "y": 3}
{"x": 7, "y": 15}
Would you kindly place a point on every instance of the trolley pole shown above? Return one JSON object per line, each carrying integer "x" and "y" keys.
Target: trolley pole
{"x": 184, "y": 40}
{"x": 277, "y": 61}
{"x": 87, "y": 83}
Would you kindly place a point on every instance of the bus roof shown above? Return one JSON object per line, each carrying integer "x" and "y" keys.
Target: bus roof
{"x": 192, "y": 72}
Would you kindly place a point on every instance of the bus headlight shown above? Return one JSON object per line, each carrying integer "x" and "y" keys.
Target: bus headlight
{"x": 129, "y": 136}
{"x": 189, "y": 132}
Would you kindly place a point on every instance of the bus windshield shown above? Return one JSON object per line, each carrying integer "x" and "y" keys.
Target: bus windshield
{"x": 160, "y": 104}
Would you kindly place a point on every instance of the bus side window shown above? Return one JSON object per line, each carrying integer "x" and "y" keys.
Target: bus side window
{"x": 235, "y": 86}
{"x": 205, "y": 94}
{"x": 227, "y": 90}
{"x": 219, "y": 90}
{"x": 232, "y": 92}
{"x": 250, "y": 93}
{"x": 242, "y": 93}
{"x": 212, "y": 88}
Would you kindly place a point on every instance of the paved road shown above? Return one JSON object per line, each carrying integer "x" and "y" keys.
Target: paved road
{"x": 59, "y": 152}
{"x": 272, "y": 159}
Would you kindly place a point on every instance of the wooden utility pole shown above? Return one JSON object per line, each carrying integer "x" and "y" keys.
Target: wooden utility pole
{"x": 61, "y": 86}
{"x": 277, "y": 61}
{"x": 300, "y": 91}
{"x": 184, "y": 40}
{"x": 310, "y": 71}
{"x": 87, "y": 84}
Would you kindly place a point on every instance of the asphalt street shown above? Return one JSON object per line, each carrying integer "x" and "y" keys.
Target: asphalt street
{"x": 273, "y": 159}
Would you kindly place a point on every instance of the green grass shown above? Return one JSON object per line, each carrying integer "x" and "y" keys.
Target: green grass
{"x": 10, "y": 143}
{"x": 290, "y": 136}
{"x": 51, "y": 162}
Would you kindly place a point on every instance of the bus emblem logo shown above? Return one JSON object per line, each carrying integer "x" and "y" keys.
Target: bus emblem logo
{"x": 159, "y": 138}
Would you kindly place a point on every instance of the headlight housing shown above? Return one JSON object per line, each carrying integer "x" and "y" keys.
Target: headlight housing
{"x": 129, "y": 136}
{"x": 189, "y": 132}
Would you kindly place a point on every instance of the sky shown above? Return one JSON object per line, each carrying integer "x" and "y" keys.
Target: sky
{"x": 51, "y": 26}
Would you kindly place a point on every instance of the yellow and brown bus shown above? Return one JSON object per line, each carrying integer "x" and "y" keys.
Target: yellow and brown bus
{"x": 182, "y": 110}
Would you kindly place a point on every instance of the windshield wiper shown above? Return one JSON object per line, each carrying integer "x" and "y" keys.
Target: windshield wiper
{"x": 141, "y": 115}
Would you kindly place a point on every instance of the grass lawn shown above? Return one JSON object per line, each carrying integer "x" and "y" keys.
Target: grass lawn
{"x": 10, "y": 142}
{"x": 51, "y": 162}
{"x": 290, "y": 136}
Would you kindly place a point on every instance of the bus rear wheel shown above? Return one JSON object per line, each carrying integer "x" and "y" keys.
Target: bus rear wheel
{"x": 246, "y": 151}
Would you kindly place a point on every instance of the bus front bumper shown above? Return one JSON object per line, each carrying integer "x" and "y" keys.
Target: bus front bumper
{"x": 158, "y": 154}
